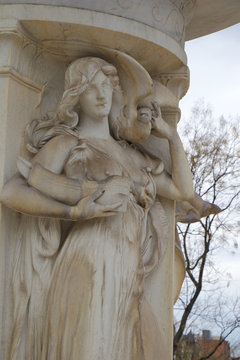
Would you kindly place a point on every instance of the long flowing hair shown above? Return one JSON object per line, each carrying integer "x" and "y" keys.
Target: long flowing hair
{"x": 65, "y": 119}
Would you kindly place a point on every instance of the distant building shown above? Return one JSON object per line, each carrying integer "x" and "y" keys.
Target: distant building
{"x": 208, "y": 345}
{"x": 193, "y": 347}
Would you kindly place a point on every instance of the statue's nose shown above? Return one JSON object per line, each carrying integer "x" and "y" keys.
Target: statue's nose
{"x": 101, "y": 93}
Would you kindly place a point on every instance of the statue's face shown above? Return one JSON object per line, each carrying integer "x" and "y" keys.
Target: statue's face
{"x": 96, "y": 101}
{"x": 144, "y": 114}
{"x": 143, "y": 125}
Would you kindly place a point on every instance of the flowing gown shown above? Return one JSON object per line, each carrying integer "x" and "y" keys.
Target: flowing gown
{"x": 96, "y": 291}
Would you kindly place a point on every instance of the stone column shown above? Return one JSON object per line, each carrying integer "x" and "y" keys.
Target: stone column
{"x": 24, "y": 70}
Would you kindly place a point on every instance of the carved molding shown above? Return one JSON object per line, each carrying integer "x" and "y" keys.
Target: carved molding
{"x": 26, "y": 60}
{"x": 167, "y": 16}
{"x": 177, "y": 82}
{"x": 10, "y": 71}
{"x": 11, "y": 27}
{"x": 173, "y": 112}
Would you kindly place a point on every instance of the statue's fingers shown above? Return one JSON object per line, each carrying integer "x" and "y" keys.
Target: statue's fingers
{"x": 156, "y": 108}
{"x": 97, "y": 194}
{"x": 109, "y": 213}
{"x": 117, "y": 207}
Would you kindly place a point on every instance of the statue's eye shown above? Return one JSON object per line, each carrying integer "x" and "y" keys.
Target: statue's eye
{"x": 106, "y": 83}
{"x": 89, "y": 89}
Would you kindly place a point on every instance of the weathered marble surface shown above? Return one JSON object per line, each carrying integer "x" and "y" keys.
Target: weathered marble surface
{"x": 37, "y": 43}
{"x": 80, "y": 286}
{"x": 167, "y": 16}
{"x": 211, "y": 16}
{"x": 195, "y": 18}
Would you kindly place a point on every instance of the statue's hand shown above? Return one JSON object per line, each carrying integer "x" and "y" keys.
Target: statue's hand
{"x": 117, "y": 185}
{"x": 116, "y": 189}
{"x": 111, "y": 198}
{"x": 159, "y": 127}
{"x": 88, "y": 208}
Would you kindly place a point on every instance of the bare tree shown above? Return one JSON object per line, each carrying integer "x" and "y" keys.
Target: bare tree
{"x": 213, "y": 149}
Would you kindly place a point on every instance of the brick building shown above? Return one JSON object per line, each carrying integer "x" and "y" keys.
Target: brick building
{"x": 194, "y": 347}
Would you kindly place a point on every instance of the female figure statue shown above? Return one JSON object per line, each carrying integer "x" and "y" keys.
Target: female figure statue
{"x": 107, "y": 191}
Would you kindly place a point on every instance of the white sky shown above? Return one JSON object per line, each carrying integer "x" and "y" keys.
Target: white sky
{"x": 214, "y": 63}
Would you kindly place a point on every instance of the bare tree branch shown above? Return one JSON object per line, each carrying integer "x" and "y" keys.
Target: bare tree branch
{"x": 213, "y": 149}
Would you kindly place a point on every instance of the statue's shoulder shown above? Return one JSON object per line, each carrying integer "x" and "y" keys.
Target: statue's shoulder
{"x": 55, "y": 152}
{"x": 62, "y": 142}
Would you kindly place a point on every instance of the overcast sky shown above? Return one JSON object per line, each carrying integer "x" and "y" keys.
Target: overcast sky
{"x": 214, "y": 63}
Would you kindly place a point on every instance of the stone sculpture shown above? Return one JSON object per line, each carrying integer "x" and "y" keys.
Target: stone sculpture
{"x": 94, "y": 226}
{"x": 78, "y": 184}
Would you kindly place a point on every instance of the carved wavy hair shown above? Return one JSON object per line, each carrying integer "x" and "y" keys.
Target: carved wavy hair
{"x": 78, "y": 76}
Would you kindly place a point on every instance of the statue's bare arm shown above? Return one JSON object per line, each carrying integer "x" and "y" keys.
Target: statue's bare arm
{"x": 44, "y": 173}
{"x": 179, "y": 185}
{"x": 18, "y": 195}
{"x": 52, "y": 199}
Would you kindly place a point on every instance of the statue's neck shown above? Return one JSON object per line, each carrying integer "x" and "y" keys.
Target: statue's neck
{"x": 94, "y": 128}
